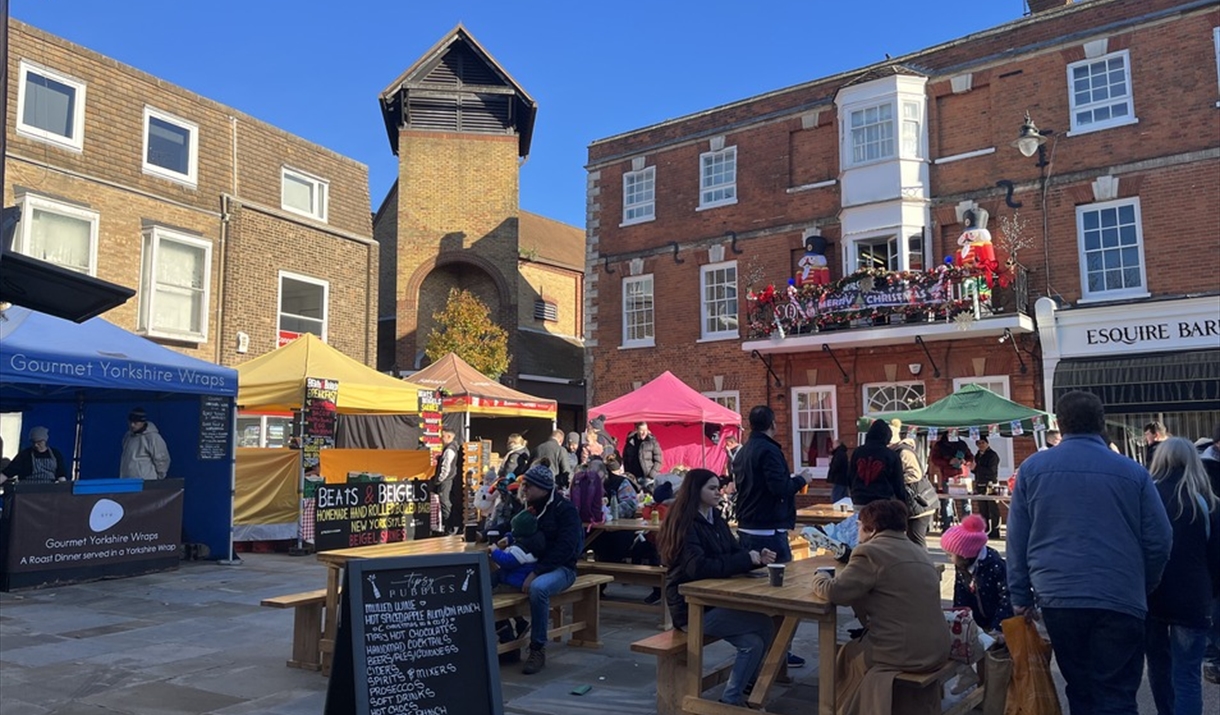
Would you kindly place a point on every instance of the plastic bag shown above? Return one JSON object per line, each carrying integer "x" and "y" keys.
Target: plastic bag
{"x": 1031, "y": 690}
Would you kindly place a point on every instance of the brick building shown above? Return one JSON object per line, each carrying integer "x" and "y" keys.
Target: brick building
{"x": 878, "y": 170}
{"x": 460, "y": 125}
{"x": 235, "y": 234}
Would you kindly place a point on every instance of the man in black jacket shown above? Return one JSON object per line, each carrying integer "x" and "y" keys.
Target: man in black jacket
{"x": 555, "y": 570}
{"x": 556, "y": 456}
{"x": 38, "y": 463}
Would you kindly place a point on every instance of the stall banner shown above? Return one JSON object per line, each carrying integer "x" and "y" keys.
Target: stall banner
{"x": 60, "y": 530}
{"x": 365, "y": 513}
{"x": 431, "y": 419}
{"x": 318, "y": 418}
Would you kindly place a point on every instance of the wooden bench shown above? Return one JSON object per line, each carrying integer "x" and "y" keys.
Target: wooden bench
{"x": 923, "y": 693}
{"x": 635, "y": 574}
{"x": 670, "y": 649}
{"x": 306, "y": 626}
{"x": 585, "y": 626}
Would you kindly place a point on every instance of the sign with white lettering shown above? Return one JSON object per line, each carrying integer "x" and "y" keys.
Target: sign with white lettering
{"x": 361, "y": 514}
{"x": 416, "y": 638}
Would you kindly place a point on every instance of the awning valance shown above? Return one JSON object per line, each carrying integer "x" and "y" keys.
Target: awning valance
{"x": 1174, "y": 382}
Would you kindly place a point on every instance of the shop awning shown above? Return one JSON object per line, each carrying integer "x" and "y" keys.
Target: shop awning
{"x": 1171, "y": 382}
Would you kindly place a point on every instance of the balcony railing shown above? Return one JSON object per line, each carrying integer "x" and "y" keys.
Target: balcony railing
{"x": 870, "y": 298}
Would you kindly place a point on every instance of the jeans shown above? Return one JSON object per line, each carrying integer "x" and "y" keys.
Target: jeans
{"x": 1175, "y": 654}
{"x": 990, "y": 511}
{"x": 776, "y": 542}
{"x": 838, "y": 492}
{"x": 444, "y": 490}
{"x": 750, "y": 633}
{"x": 947, "y": 511}
{"x": 544, "y": 586}
{"x": 1101, "y": 655}
{"x": 1212, "y": 653}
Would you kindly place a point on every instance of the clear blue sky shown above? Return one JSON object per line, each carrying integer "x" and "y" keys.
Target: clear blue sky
{"x": 316, "y": 68}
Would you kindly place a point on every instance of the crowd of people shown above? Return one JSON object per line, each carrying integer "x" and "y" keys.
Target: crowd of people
{"x": 1119, "y": 560}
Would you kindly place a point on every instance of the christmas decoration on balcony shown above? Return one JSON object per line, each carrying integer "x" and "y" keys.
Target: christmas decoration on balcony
{"x": 813, "y": 265}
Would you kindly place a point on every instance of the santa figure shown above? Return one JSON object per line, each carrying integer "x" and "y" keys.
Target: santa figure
{"x": 813, "y": 268}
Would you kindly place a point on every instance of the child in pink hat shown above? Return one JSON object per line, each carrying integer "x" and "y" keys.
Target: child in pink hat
{"x": 982, "y": 576}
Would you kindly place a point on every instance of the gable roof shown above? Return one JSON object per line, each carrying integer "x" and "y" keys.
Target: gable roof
{"x": 468, "y": 390}
{"x": 551, "y": 241}
{"x": 492, "y": 80}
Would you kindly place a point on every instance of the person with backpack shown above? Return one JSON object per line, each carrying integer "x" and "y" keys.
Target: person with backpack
{"x": 555, "y": 570}
{"x": 921, "y": 499}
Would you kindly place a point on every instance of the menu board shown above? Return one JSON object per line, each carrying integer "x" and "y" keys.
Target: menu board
{"x": 215, "y": 427}
{"x": 430, "y": 419}
{"x": 318, "y": 419}
{"x": 416, "y": 638}
{"x": 368, "y": 513}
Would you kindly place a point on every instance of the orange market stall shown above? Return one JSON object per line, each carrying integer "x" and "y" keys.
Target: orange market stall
{"x": 308, "y": 377}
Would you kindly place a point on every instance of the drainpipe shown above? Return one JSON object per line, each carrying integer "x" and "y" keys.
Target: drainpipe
{"x": 222, "y": 284}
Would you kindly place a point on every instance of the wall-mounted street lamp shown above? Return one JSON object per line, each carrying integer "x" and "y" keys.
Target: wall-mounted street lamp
{"x": 1008, "y": 337}
{"x": 1032, "y": 141}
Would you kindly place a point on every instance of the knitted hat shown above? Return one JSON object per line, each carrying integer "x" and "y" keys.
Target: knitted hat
{"x": 967, "y": 539}
{"x": 38, "y": 434}
{"x": 525, "y": 524}
{"x": 573, "y": 438}
{"x": 540, "y": 476}
{"x": 137, "y": 415}
{"x": 663, "y": 493}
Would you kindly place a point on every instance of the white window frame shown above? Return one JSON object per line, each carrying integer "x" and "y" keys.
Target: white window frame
{"x": 279, "y": 301}
{"x": 728, "y": 333}
{"x": 894, "y": 139}
{"x": 729, "y": 188}
{"x": 718, "y": 395}
{"x": 30, "y": 202}
{"x": 645, "y": 208}
{"x": 321, "y": 193}
{"x": 1087, "y": 295}
{"x": 1130, "y": 117}
{"x": 867, "y": 387}
{"x": 152, "y": 238}
{"x": 76, "y": 142}
{"x": 651, "y": 339}
{"x": 798, "y": 454}
{"x": 1001, "y": 445}
{"x": 190, "y": 178}
{"x": 910, "y": 124}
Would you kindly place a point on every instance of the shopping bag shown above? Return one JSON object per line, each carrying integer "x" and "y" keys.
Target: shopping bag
{"x": 997, "y": 670}
{"x": 964, "y": 645}
{"x": 1031, "y": 690}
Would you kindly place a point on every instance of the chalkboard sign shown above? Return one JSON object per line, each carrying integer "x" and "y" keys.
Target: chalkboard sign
{"x": 318, "y": 418}
{"x": 416, "y": 637}
{"x": 430, "y": 419}
{"x": 215, "y": 427}
{"x": 361, "y": 514}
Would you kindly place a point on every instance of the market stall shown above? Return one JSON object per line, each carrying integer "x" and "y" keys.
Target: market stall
{"x": 80, "y": 381}
{"x": 271, "y": 502}
{"x": 680, "y": 417}
{"x": 972, "y": 410}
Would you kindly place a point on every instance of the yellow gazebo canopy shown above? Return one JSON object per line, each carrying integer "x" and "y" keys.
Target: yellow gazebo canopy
{"x": 275, "y": 382}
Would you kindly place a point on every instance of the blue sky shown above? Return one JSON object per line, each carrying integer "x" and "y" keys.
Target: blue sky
{"x": 316, "y": 68}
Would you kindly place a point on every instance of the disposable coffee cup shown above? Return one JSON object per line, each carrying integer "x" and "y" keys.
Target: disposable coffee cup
{"x": 776, "y": 573}
{"x": 828, "y": 570}
{"x": 471, "y": 533}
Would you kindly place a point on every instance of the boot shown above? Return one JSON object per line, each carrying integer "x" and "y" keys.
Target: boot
{"x": 536, "y": 660}
{"x": 654, "y": 597}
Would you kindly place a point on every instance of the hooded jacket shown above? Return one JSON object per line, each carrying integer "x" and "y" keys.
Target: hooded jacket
{"x": 562, "y": 532}
{"x": 145, "y": 455}
{"x": 874, "y": 470}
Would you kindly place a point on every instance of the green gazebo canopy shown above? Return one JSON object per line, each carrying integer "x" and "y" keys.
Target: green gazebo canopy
{"x": 971, "y": 406}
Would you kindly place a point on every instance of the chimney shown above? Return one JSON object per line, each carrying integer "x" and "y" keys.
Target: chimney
{"x": 1037, "y": 6}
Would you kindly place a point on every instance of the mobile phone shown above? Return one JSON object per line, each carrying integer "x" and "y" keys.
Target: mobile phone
{"x": 581, "y": 689}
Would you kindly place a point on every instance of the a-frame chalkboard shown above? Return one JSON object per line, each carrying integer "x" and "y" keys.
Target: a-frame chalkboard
{"x": 416, "y": 635}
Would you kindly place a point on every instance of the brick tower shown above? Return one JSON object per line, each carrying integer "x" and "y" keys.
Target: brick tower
{"x": 459, "y": 125}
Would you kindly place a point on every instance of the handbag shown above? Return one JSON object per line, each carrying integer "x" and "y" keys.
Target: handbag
{"x": 921, "y": 495}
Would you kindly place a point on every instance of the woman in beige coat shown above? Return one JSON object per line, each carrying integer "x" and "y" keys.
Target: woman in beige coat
{"x": 894, "y": 588}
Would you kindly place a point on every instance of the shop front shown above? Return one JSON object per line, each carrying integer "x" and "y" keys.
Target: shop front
{"x": 1156, "y": 360}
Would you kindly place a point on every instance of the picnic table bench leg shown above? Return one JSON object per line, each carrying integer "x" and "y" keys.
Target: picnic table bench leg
{"x": 667, "y": 621}
{"x": 306, "y": 637}
{"x": 777, "y": 658}
{"x": 588, "y": 610}
{"x": 694, "y": 652}
{"x": 331, "y": 617}
{"x": 827, "y": 650}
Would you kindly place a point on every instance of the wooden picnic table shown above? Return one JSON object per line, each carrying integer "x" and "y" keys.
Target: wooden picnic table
{"x": 792, "y": 603}
{"x": 335, "y": 561}
{"x": 821, "y": 514}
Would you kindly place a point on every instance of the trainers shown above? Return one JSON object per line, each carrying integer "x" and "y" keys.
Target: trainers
{"x": 795, "y": 661}
{"x": 536, "y": 660}
{"x": 819, "y": 540}
{"x": 654, "y": 597}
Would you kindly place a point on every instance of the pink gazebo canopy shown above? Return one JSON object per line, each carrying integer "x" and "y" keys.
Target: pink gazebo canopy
{"x": 675, "y": 413}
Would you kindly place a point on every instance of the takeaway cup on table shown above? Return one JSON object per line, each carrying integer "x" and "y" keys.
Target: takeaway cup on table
{"x": 776, "y": 573}
{"x": 828, "y": 570}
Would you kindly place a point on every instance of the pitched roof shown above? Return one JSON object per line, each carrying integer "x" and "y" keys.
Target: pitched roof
{"x": 468, "y": 390}
{"x": 549, "y": 241}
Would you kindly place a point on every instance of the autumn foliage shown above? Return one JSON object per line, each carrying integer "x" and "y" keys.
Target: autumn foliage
{"x": 464, "y": 326}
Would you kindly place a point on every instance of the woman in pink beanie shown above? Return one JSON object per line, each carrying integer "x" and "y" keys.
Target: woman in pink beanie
{"x": 982, "y": 575}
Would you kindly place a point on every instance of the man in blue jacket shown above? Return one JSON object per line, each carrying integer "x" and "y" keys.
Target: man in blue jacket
{"x": 766, "y": 494}
{"x": 1088, "y": 538}
{"x": 555, "y": 570}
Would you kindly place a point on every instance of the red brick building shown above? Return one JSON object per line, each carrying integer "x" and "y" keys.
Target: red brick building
{"x": 236, "y": 235}
{"x": 886, "y": 163}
